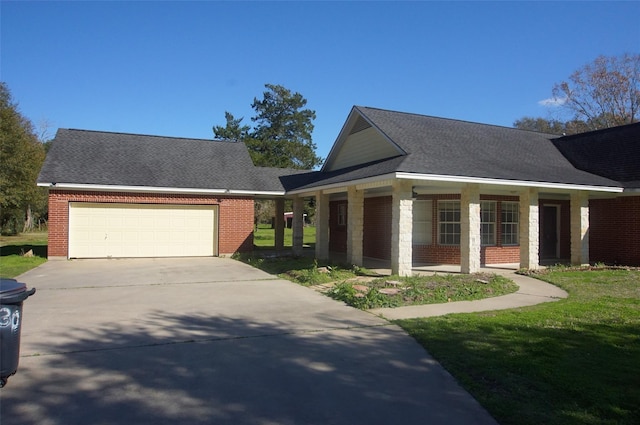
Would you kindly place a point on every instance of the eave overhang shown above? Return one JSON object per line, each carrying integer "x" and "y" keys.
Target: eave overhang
{"x": 149, "y": 189}
{"x": 387, "y": 179}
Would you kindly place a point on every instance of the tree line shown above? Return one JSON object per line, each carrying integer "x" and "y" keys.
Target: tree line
{"x": 22, "y": 204}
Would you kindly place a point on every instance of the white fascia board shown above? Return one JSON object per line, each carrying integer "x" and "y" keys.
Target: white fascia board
{"x": 255, "y": 192}
{"x": 149, "y": 189}
{"x": 500, "y": 182}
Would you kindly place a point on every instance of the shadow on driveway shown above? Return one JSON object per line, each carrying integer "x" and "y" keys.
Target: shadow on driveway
{"x": 296, "y": 358}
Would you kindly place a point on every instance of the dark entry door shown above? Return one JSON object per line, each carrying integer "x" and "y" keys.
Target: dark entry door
{"x": 549, "y": 243}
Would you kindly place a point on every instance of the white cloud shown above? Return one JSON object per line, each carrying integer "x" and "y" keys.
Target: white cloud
{"x": 553, "y": 101}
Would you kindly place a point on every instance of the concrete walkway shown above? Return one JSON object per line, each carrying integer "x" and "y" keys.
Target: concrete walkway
{"x": 532, "y": 291}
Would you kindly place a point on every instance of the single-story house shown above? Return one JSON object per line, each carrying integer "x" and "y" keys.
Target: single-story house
{"x": 396, "y": 186}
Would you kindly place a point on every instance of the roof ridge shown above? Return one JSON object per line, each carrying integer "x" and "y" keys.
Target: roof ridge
{"x": 457, "y": 120}
{"x": 147, "y": 135}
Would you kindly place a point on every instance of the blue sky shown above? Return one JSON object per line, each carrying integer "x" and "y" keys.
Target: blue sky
{"x": 174, "y": 68}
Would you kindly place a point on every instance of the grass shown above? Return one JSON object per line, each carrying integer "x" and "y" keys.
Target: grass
{"x": 574, "y": 361}
{"x": 12, "y": 250}
{"x": 303, "y": 270}
{"x": 264, "y": 236}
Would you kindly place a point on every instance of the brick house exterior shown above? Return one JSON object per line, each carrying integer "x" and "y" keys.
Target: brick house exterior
{"x": 236, "y": 216}
{"x": 614, "y": 236}
{"x": 402, "y": 187}
{"x": 100, "y": 169}
{"x": 452, "y": 192}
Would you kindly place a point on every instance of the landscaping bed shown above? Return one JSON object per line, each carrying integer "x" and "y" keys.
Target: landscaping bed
{"x": 363, "y": 289}
{"x": 417, "y": 290}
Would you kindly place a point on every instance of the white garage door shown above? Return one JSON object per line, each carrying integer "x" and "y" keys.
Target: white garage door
{"x": 141, "y": 230}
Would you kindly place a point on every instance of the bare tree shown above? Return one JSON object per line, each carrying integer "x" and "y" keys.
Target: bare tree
{"x": 604, "y": 93}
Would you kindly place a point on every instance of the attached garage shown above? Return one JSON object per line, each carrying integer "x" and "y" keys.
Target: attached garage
{"x": 110, "y": 230}
{"x": 119, "y": 195}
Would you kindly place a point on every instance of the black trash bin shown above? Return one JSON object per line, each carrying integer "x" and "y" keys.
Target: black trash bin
{"x": 12, "y": 294}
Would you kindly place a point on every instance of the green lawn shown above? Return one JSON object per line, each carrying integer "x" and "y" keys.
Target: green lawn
{"x": 12, "y": 248}
{"x": 264, "y": 236}
{"x": 575, "y": 361}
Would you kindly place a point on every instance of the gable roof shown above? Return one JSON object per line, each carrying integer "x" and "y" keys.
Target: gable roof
{"x": 612, "y": 152}
{"x": 446, "y": 147}
{"x": 96, "y": 158}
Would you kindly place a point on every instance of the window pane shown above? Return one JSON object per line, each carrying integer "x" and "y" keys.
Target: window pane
{"x": 510, "y": 226}
{"x": 488, "y": 222}
{"x": 449, "y": 225}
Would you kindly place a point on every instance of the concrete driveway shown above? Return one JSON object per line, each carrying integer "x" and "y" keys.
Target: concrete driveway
{"x": 214, "y": 341}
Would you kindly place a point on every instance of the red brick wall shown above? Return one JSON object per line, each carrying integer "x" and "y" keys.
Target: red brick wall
{"x": 377, "y": 234}
{"x": 235, "y": 224}
{"x": 447, "y": 254}
{"x": 377, "y": 227}
{"x": 614, "y": 231}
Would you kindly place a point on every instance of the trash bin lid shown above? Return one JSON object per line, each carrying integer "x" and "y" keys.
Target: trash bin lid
{"x": 9, "y": 288}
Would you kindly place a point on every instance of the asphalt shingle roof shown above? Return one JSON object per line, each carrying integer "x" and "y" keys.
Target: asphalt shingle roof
{"x": 459, "y": 148}
{"x": 613, "y": 153}
{"x": 103, "y": 158}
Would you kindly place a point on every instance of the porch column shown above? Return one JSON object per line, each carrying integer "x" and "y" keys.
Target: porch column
{"x": 529, "y": 229}
{"x": 297, "y": 225}
{"x": 470, "y": 229}
{"x": 279, "y": 224}
{"x": 580, "y": 228}
{"x": 401, "y": 228}
{"x": 322, "y": 226}
{"x": 355, "y": 225}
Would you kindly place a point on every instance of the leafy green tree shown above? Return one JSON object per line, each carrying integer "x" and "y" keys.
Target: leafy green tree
{"x": 21, "y": 156}
{"x": 551, "y": 126}
{"x": 233, "y": 130}
{"x": 281, "y": 136}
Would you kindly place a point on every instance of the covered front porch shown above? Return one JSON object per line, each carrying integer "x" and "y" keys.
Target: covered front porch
{"x": 418, "y": 219}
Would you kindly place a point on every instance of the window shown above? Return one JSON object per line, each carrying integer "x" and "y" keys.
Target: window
{"x": 449, "y": 222}
{"x": 510, "y": 223}
{"x": 488, "y": 222}
{"x": 342, "y": 214}
{"x": 422, "y": 222}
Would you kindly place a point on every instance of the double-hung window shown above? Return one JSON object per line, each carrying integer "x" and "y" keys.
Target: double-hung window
{"x": 449, "y": 222}
{"x": 488, "y": 222}
{"x": 510, "y": 223}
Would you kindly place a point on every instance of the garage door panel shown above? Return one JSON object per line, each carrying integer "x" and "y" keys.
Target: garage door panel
{"x": 141, "y": 230}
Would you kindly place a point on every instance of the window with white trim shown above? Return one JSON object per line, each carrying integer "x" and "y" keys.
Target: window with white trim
{"x": 488, "y": 222}
{"x": 449, "y": 222}
{"x": 422, "y": 222}
{"x": 510, "y": 223}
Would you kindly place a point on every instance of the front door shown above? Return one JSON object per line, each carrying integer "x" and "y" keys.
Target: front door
{"x": 549, "y": 229}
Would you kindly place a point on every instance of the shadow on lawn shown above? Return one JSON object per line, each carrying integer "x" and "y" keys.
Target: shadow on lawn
{"x": 203, "y": 369}
{"x": 532, "y": 375}
{"x": 38, "y": 250}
